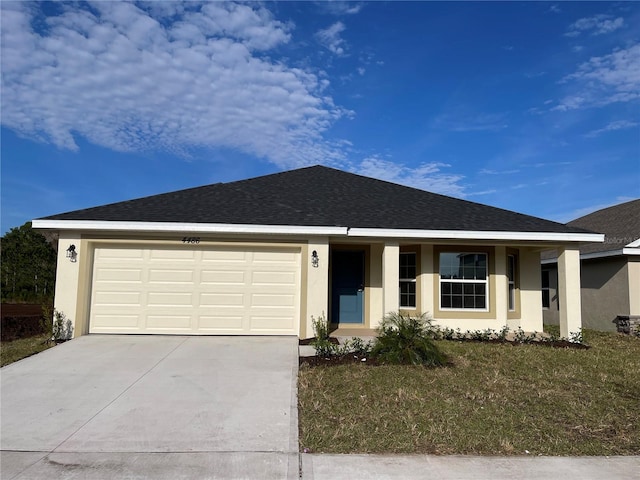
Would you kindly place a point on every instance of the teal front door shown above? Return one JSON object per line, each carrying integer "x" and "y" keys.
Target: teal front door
{"x": 347, "y": 285}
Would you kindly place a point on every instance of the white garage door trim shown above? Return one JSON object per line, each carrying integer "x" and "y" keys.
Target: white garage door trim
{"x": 200, "y": 290}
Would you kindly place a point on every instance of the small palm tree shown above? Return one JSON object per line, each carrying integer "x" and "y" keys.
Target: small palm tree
{"x": 406, "y": 339}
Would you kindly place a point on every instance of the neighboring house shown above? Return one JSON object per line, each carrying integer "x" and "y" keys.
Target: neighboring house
{"x": 264, "y": 255}
{"x": 610, "y": 277}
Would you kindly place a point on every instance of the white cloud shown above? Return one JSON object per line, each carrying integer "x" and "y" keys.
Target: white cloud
{"x": 617, "y": 125}
{"x": 554, "y": 9}
{"x": 330, "y": 38}
{"x": 604, "y": 80}
{"x": 337, "y": 7}
{"x": 486, "y": 171}
{"x": 150, "y": 77}
{"x": 427, "y": 176}
{"x": 597, "y": 25}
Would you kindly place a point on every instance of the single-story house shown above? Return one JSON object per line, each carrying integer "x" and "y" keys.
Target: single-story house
{"x": 262, "y": 256}
{"x": 610, "y": 271}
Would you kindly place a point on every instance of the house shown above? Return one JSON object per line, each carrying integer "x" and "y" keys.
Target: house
{"x": 262, "y": 256}
{"x": 610, "y": 271}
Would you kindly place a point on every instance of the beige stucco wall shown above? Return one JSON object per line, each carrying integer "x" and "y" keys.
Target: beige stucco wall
{"x": 315, "y": 298}
{"x": 633, "y": 269}
{"x": 530, "y": 297}
{"x": 67, "y": 278}
{"x": 569, "y": 293}
{"x": 381, "y": 289}
{"x": 605, "y": 292}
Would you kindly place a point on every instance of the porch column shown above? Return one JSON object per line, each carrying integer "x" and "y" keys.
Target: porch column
{"x": 502, "y": 302}
{"x": 569, "y": 291}
{"x": 390, "y": 278}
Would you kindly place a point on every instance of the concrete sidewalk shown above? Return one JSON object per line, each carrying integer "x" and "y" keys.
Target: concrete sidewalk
{"x": 410, "y": 467}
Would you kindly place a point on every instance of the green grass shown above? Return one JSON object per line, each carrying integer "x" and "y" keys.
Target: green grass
{"x": 496, "y": 399}
{"x": 18, "y": 349}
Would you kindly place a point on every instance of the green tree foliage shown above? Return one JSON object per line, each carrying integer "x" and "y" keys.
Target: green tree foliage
{"x": 28, "y": 266}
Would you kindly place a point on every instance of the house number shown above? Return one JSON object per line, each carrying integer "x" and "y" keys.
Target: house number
{"x": 190, "y": 239}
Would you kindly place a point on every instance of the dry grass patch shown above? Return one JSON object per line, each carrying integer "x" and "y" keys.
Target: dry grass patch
{"x": 18, "y": 349}
{"x": 496, "y": 399}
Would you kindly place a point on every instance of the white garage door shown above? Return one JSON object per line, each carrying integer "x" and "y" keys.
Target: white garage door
{"x": 206, "y": 291}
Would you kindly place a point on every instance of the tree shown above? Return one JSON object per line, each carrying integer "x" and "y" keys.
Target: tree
{"x": 28, "y": 266}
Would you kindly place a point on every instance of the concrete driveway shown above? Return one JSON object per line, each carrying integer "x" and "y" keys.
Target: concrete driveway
{"x": 152, "y": 407}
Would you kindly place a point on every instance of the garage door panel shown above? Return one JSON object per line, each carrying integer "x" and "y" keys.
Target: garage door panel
{"x": 217, "y": 323}
{"x": 164, "y": 299}
{"x": 214, "y": 300}
{"x": 225, "y": 256}
{"x": 182, "y": 322}
{"x": 222, "y": 277}
{"x": 274, "y": 278}
{"x": 260, "y": 300}
{"x": 171, "y": 276}
{"x": 222, "y": 290}
{"x": 116, "y": 321}
{"x": 115, "y": 298}
{"x": 172, "y": 255}
{"x": 119, "y": 275}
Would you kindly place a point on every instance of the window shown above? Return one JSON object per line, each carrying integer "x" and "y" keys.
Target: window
{"x": 546, "y": 298}
{"x": 463, "y": 281}
{"x": 511, "y": 276}
{"x": 407, "y": 280}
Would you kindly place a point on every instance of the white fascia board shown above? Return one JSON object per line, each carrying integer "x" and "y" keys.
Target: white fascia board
{"x": 476, "y": 235}
{"x": 90, "y": 225}
{"x": 591, "y": 256}
{"x": 634, "y": 244}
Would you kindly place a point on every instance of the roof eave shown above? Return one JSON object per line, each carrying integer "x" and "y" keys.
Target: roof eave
{"x": 96, "y": 225}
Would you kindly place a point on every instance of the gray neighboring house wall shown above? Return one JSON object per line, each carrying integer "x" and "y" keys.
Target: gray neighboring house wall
{"x": 610, "y": 271}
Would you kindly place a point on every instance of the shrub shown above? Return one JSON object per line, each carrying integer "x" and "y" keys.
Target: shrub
{"x": 321, "y": 342}
{"x": 406, "y": 339}
{"x": 62, "y": 327}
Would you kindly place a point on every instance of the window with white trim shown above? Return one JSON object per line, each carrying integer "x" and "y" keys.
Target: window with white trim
{"x": 511, "y": 277}
{"x": 407, "y": 280}
{"x": 546, "y": 296}
{"x": 464, "y": 281}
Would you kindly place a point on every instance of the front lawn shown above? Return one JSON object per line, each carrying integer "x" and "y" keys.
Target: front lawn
{"x": 17, "y": 349}
{"x": 495, "y": 399}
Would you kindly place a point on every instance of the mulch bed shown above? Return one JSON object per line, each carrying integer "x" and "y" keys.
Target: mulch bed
{"x": 351, "y": 358}
{"x": 346, "y": 359}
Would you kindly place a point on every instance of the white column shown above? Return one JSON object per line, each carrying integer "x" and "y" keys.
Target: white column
{"x": 569, "y": 291}
{"x": 502, "y": 305}
{"x": 317, "y": 284}
{"x": 633, "y": 267}
{"x": 391, "y": 278}
{"x": 426, "y": 297}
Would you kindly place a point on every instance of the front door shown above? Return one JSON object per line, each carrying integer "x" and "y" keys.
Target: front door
{"x": 347, "y": 285}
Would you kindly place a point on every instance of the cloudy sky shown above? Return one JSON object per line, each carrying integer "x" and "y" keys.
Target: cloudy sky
{"x": 533, "y": 107}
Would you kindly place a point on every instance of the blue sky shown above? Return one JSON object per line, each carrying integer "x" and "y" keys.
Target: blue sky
{"x": 529, "y": 106}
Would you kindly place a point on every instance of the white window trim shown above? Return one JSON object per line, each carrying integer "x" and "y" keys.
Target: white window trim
{"x": 547, "y": 288}
{"x": 409, "y": 280}
{"x": 512, "y": 282}
{"x": 460, "y": 280}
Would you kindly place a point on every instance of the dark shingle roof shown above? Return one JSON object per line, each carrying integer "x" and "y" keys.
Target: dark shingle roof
{"x": 620, "y": 224}
{"x": 317, "y": 196}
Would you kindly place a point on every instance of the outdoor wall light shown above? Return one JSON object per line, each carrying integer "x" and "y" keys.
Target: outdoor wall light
{"x": 314, "y": 259}
{"x": 71, "y": 253}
